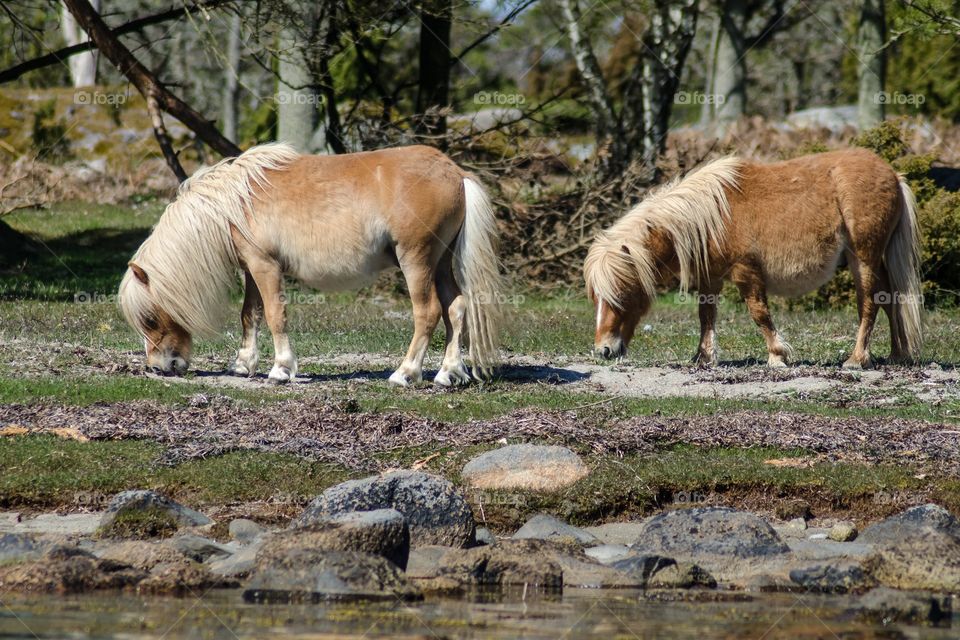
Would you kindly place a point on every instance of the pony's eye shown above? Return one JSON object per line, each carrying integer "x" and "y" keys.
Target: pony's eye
{"x": 150, "y": 324}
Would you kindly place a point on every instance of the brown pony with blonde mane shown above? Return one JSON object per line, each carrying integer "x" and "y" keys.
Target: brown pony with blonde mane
{"x": 330, "y": 223}
{"x": 780, "y": 228}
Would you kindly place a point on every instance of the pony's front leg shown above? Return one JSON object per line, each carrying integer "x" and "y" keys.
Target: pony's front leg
{"x": 426, "y": 315}
{"x": 269, "y": 280}
{"x": 707, "y": 307}
{"x": 248, "y": 357}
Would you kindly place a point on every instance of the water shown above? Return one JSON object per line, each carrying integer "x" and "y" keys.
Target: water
{"x": 577, "y": 614}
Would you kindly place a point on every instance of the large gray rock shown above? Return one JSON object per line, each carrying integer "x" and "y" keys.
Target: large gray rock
{"x": 525, "y": 466}
{"x": 66, "y": 570}
{"x": 841, "y": 577}
{"x": 239, "y": 565}
{"x": 307, "y": 575}
{"x": 546, "y": 527}
{"x": 658, "y": 572}
{"x": 435, "y": 510}
{"x": 145, "y": 500}
{"x": 383, "y": 532}
{"x": 625, "y": 533}
{"x": 15, "y": 547}
{"x": 199, "y": 548}
{"x": 140, "y": 554}
{"x": 529, "y": 563}
{"x": 244, "y": 531}
{"x": 711, "y": 531}
{"x": 927, "y": 559}
{"x": 909, "y": 522}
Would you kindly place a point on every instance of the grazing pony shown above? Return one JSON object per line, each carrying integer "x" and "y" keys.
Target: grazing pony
{"x": 779, "y": 228}
{"x": 330, "y": 223}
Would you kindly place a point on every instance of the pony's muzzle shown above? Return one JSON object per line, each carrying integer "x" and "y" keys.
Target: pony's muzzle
{"x": 610, "y": 350}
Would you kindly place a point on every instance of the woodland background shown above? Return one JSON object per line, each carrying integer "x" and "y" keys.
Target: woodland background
{"x": 569, "y": 109}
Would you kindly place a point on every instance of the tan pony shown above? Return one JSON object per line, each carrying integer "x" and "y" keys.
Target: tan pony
{"x": 778, "y": 229}
{"x": 330, "y": 223}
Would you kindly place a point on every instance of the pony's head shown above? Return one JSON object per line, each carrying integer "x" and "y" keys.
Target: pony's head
{"x": 620, "y": 285}
{"x": 168, "y": 345}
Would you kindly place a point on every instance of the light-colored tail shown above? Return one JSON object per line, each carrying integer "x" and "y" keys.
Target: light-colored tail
{"x": 476, "y": 268}
{"x": 903, "y": 266}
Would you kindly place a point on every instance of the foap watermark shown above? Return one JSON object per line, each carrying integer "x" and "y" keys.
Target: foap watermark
{"x": 696, "y": 97}
{"x": 501, "y": 299}
{"x": 897, "y": 297}
{"x": 99, "y": 98}
{"x": 498, "y": 99}
{"x": 94, "y": 297}
{"x": 912, "y": 99}
{"x": 297, "y": 97}
{"x": 695, "y": 297}
{"x": 295, "y": 296}
{"x": 690, "y": 497}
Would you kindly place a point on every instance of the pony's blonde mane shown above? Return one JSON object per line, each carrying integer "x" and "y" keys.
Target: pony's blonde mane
{"x": 189, "y": 258}
{"x": 692, "y": 210}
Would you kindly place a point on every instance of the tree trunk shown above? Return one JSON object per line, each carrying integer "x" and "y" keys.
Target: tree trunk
{"x": 871, "y": 36}
{"x": 673, "y": 25}
{"x": 83, "y": 66}
{"x": 296, "y": 97}
{"x": 434, "y": 70}
{"x": 708, "y": 108}
{"x": 231, "y": 79}
{"x": 731, "y": 64}
{"x": 149, "y": 87}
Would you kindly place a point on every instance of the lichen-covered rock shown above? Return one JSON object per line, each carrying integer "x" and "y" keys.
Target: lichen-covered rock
{"x": 509, "y": 562}
{"x": 127, "y": 502}
{"x": 15, "y": 547}
{"x": 140, "y": 554}
{"x": 716, "y": 531}
{"x": 840, "y": 577}
{"x": 434, "y": 508}
{"x": 307, "y": 575}
{"x": 907, "y": 523}
{"x": 927, "y": 559}
{"x": 184, "y": 577}
{"x": 383, "y": 532}
{"x": 65, "y": 570}
{"x": 843, "y": 532}
{"x": 525, "y": 466}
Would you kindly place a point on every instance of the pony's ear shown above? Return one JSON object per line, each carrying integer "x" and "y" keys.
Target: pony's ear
{"x": 625, "y": 249}
{"x": 139, "y": 273}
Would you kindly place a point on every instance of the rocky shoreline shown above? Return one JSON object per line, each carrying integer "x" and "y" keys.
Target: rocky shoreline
{"x": 408, "y": 535}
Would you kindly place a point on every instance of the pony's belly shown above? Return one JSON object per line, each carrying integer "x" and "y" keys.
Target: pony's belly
{"x": 356, "y": 276}
{"x": 790, "y": 280}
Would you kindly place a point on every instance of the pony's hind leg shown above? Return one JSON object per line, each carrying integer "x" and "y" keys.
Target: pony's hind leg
{"x": 873, "y": 290}
{"x": 426, "y": 315}
{"x": 453, "y": 306}
{"x": 750, "y": 283}
{"x": 250, "y": 316}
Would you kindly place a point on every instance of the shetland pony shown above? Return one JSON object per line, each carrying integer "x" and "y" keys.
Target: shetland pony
{"x": 779, "y": 228}
{"x": 330, "y": 223}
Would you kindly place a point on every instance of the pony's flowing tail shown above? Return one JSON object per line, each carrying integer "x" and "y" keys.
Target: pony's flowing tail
{"x": 477, "y": 272}
{"x": 903, "y": 266}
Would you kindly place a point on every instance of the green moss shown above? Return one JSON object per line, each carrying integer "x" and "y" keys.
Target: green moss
{"x": 140, "y": 525}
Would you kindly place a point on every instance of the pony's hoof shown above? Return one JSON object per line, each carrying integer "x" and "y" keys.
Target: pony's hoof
{"x": 451, "y": 377}
{"x": 402, "y": 379}
{"x": 705, "y": 360}
{"x": 242, "y": 370}
{"x": 856, "y": 365}
{"x": 280, "y": 375}
{"x": 776, "y": 362}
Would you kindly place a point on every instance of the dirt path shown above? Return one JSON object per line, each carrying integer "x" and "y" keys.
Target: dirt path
{"x": 878, "y": 387}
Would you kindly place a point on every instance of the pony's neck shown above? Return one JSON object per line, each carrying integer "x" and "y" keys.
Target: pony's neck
{"x": 666, "y": 264}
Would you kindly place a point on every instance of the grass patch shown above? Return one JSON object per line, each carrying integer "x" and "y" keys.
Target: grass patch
{"x": 43, "y": 471}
